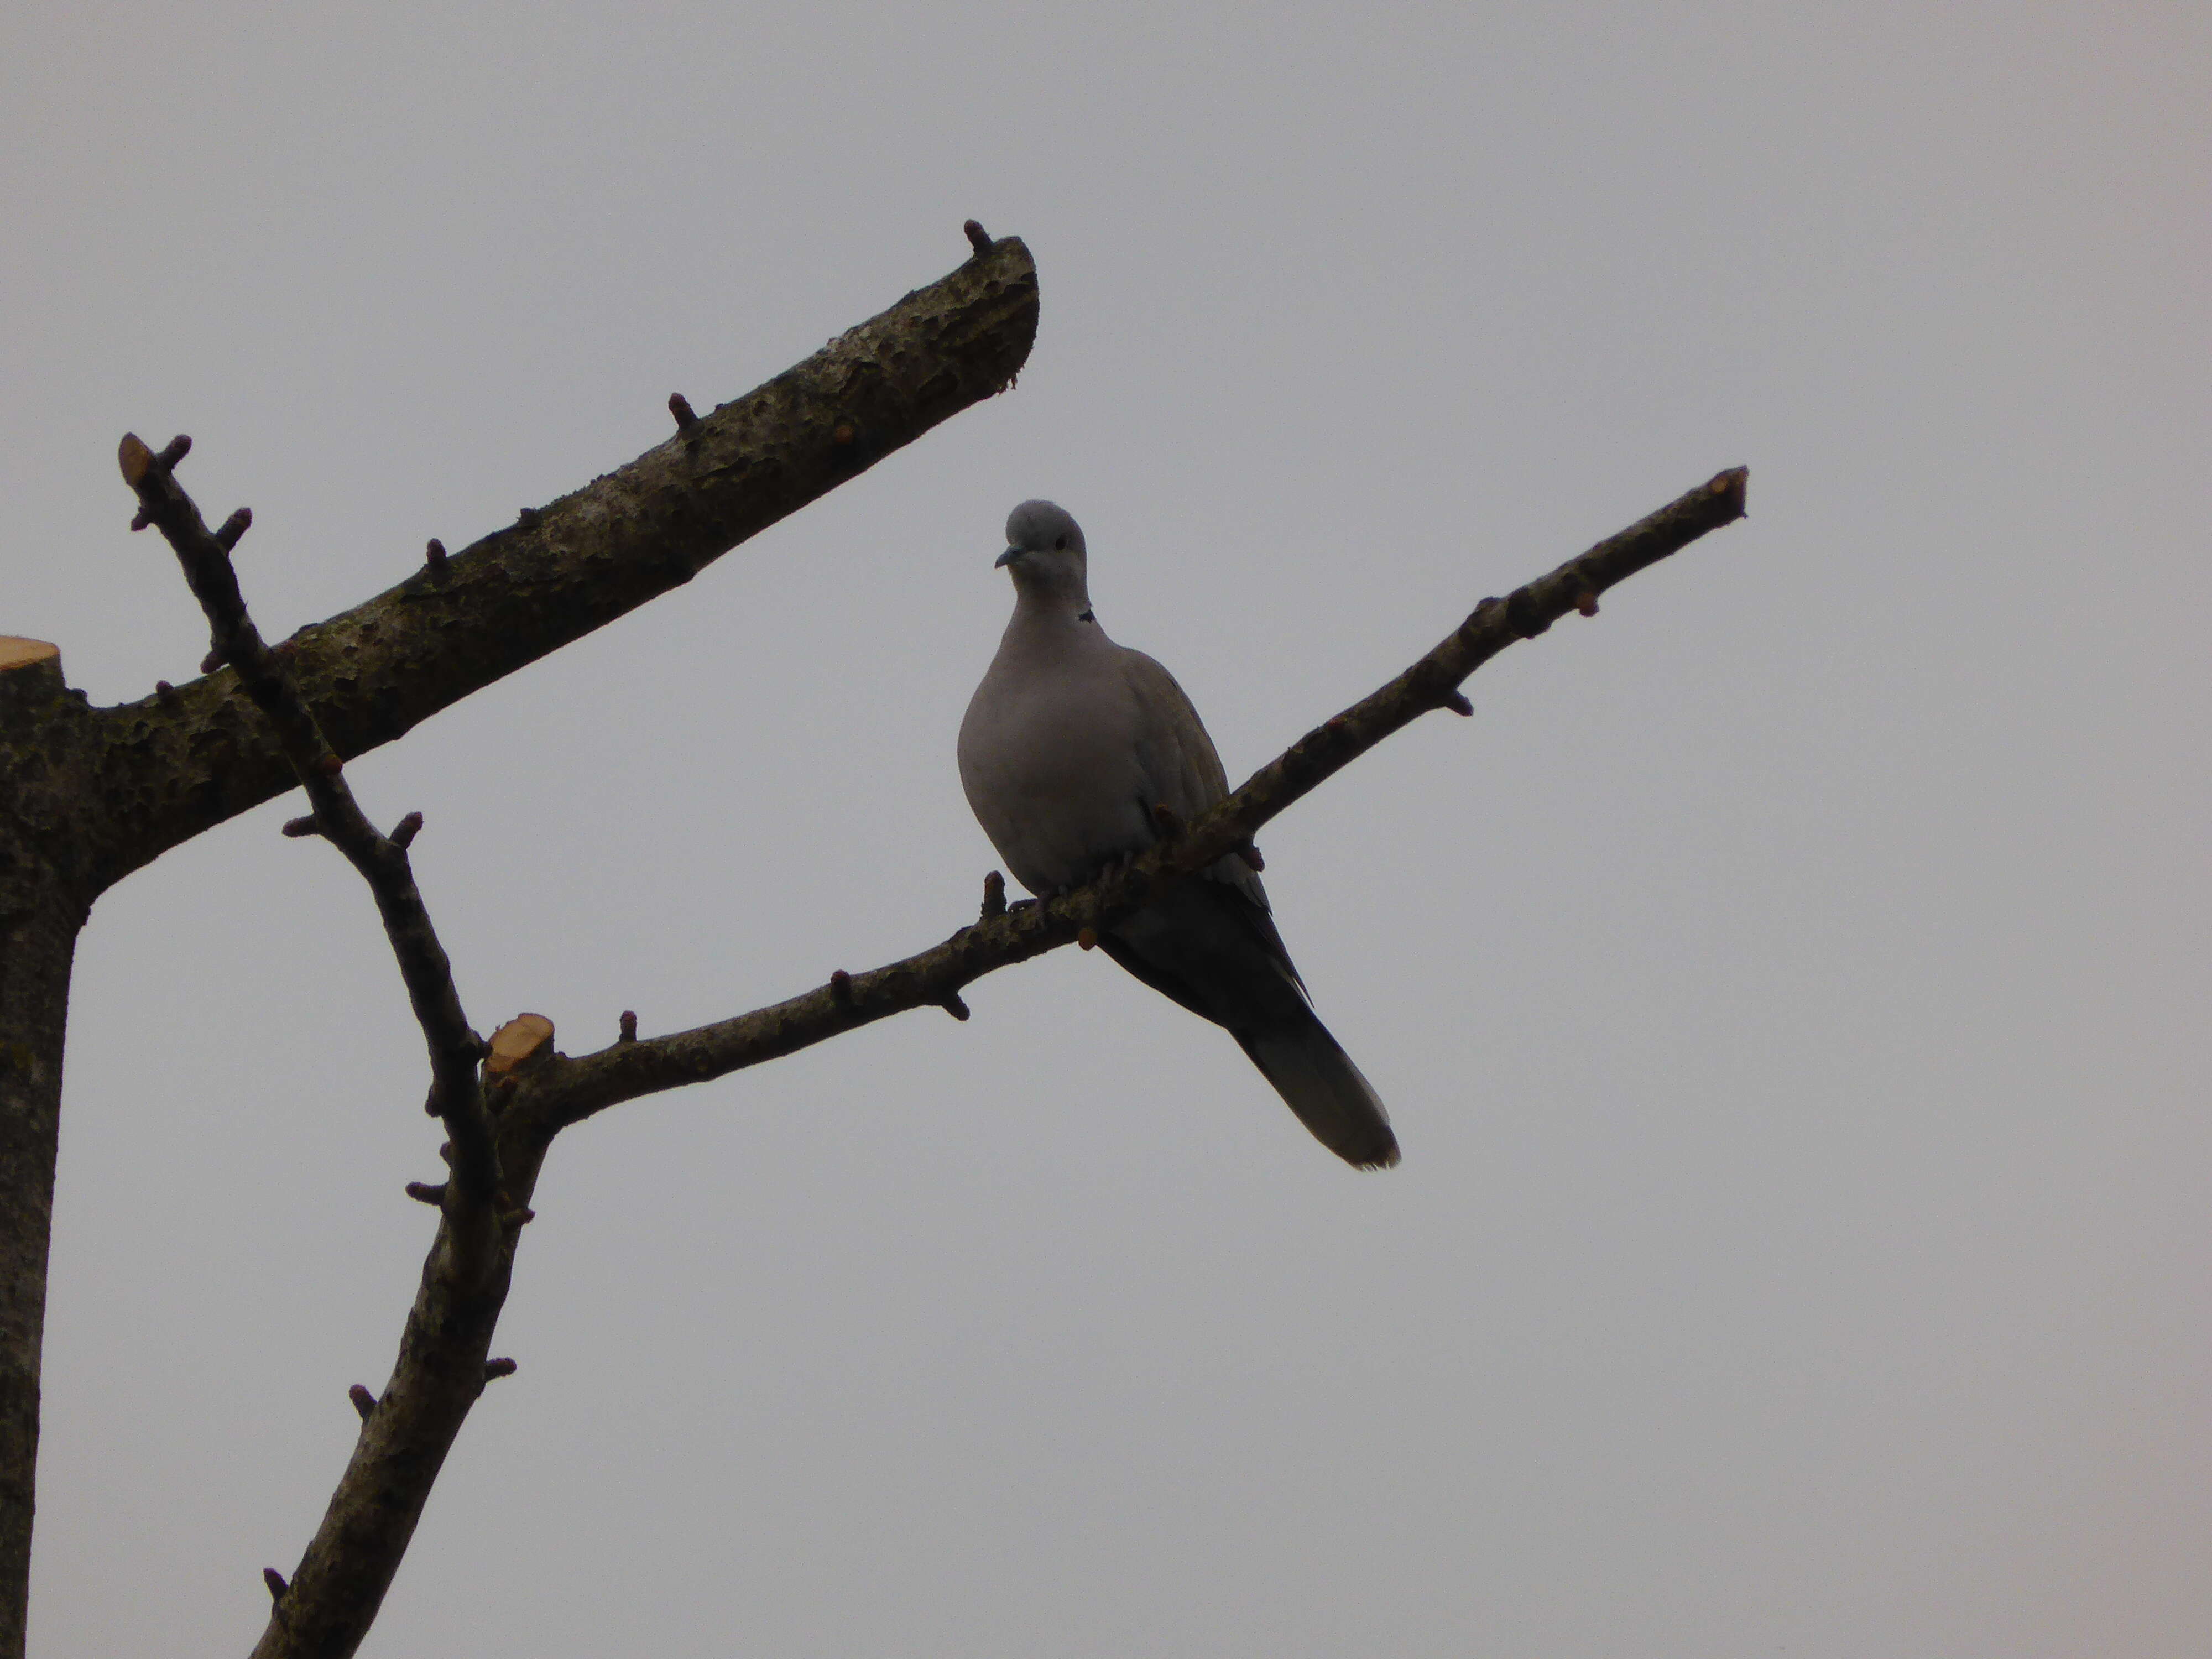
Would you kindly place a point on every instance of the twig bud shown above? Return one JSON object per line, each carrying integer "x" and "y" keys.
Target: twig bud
{"x": 405, "y": 831}
{"x": 275, "y": 1580}
{"x": 234, "y": 527}
{"x": 680, "y": 407}
{"x": 953, "y": 1005}
{"x": 213, "y": 660}
{"x": 994, "y": 897}
{"x": 978, "y": 238}
{"x": 309, "y": 825}
{"x": 629, "y": 1032}
{"x": 427, "y": 1192}
{"x": 364, "y": 1400}
{"x": 175, "y": 450}
{"x": 434, "y": 554}
{"x": 495, "y": 1369}
{"x": 841, "y": 988}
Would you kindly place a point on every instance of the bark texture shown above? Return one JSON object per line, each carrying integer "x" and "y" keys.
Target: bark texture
{"x": 41, "y": 908}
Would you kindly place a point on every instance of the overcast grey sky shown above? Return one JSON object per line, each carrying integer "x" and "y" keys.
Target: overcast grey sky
{"x": 1791, "y": 989}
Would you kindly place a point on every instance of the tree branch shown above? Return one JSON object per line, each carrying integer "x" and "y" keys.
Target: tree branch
{"x": 567, "y": 1090}
{"x": 173, "y": 764}
{"x": 456, "y": 1094}
{"x": 328, "y": 1604}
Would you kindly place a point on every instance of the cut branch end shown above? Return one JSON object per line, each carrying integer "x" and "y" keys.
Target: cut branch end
{"x": 522, "y": 1040}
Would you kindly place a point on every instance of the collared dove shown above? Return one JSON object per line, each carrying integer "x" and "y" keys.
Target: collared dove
{"x": 1069, "y": 745}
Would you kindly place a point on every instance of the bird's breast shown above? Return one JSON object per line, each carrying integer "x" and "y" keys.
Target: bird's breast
{"x": 1049, "y": 761}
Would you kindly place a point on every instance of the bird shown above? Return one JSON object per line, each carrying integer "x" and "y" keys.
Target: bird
{"x": 1076, "y": 753}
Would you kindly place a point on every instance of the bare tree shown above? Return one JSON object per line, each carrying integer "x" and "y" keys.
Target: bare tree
{"x": 87, "y": 795}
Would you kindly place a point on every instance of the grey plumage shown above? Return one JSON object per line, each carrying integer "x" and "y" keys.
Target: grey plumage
{"x": 1069, "y": 744}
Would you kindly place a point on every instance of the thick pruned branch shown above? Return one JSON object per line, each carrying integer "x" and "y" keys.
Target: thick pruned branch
{"x": 570, "y": 1089}
{"x": 188, "y": 757}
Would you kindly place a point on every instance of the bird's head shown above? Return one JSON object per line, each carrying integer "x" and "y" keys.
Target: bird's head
{"x": 1044, "y": 553}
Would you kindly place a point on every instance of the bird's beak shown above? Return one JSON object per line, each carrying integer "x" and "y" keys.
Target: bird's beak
{"x": 1007, "y": 557}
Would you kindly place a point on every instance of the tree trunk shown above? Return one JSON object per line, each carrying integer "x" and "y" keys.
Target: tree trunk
{"x": 41, "y": 912}
{"x": 38, "y": 936}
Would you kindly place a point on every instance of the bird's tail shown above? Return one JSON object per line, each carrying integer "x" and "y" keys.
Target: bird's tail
{"x": 1318, "y": 1081}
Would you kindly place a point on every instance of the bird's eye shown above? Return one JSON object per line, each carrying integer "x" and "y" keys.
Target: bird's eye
{"x": 1059, "y": 544}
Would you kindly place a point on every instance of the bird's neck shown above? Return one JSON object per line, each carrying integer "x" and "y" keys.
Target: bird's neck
{"x": 1051, "y": 617}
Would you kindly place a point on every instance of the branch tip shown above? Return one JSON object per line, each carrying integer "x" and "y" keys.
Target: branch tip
{"x": 234, "y": 527}
{"x": 1253, "y": 861}
{"x": 364, "y": 1400}
{"x": 994, "y": 897}
{"x": 629, "y": 1027}
{"x": 405, "y": 831}
{"x": 515, "y": 1221}
{"x": 1088, "y": 939}
{"x": 174, "y": 450}
{"x": 211, "y": 662}
{"x": 309, "y": 825}
{"x": 165, "y": 691}
{"x": 434, "y": 554}
{"x": 1586, "y": 602}
{"x": 275, "y": 1580}
{"x": 1456, "y": 702}
{"x": 139, "y": 520}
{"x": 841, "y": 988}
{"x": 953, "y": 1005}
{"x": 427, "y": 1192}
{"x": 680, "y": 407}
{"x": 495, "y": 1369}
{"x": 978, "y": 238}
